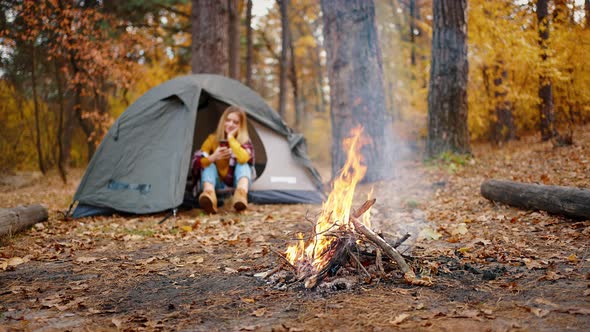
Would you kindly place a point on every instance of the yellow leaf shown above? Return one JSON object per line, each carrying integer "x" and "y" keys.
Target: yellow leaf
{"x": 461, "y": 229}
{"x": 259, "y": 312}
{"x": 464, "y": 250}
{"x": 248, "y": 300}
{"x": 573, "y": 258}
{"x": 430, "y": 234}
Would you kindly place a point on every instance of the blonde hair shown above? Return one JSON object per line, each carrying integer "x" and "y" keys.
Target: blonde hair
{"x": 242, "y": 135}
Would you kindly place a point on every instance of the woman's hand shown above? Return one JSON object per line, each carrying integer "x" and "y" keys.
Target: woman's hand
{"x": 232, "y": 133}
{"x": 220, "y": 153}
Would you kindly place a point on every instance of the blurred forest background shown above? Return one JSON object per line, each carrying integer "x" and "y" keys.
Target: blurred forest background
{"x": 68, "y": 68}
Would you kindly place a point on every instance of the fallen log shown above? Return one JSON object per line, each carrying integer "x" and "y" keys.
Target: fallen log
{"x": 19, "y": 218}
{"x": 567, "y": 201}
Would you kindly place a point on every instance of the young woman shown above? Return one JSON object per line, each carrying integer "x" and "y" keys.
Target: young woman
{"x": 225, "y": 160}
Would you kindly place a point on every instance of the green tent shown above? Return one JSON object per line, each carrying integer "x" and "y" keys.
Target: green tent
{"x": 143, "y": 162}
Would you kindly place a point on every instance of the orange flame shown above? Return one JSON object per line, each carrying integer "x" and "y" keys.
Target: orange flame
{"x": 335, "y": 211}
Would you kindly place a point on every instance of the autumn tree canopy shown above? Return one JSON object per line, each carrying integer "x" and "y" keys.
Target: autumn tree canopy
{"x": 68, "y": 68}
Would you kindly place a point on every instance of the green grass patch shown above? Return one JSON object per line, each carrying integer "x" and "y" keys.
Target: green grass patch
{"x": 142, "y": 232}
{"x": 451, "y": 162}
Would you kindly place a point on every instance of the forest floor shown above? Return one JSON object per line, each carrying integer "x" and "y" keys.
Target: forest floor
{"x": 494, "y": 267}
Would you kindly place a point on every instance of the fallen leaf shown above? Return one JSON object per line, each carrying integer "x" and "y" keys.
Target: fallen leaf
{"x": 551, "y": 275}
{"x": 118, "y": 322}
{"x": 544, "y": 301}
{"x": 573, "y": 258}
{"x": 248, "y": 300}
{"x": 85, "y": 259}
{"x": 539, "y": 312}
{"x": 399, "y": 319}
{"x": 429, "y": 234}
{"x": 464, "y": 250}
{"x": 133, "y": 237}
{"x": 532, "y": 264}
{"x": 186, "y": 228}
{"x": 195, "y": 260}
{"x": 481, "y": 241}
{"x": 14, "y": 261}
{"x": 467, "y": 313}
{"x": 461, "y": 229}
{"x": 229, "y": 270}
{"x": 259, "y": 312}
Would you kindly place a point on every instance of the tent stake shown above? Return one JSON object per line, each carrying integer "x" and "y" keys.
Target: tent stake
{"x": 172, "y": 213}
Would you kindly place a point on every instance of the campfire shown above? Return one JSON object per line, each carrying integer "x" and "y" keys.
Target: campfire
{"x": 342, "y": 236}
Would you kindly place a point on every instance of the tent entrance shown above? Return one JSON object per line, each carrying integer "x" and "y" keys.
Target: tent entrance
{"x": 208, "y": 115}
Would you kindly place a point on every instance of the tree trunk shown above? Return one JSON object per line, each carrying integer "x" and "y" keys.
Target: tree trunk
{"x": 355, "y": 75}
{"x": 234, "y": 39}
{"x": 566, "y": 201}
{"x": 295, "y": 83}
{"x": 283, "y": 62}
{"x": 62, "y": 157}
{"x": 546, "y": 112}
{"x": 249, "y": 47}
{"x": 413, "y": 10}
{"x": 21, "y": 217}
{"x": 209, "y": 28}
{"x": 319, "y": 84}
{"x": 587, "y": 12}
{"x": 503, "y": 128}
{"x": 36, "y": 108}
{"x": 447, "y": 91}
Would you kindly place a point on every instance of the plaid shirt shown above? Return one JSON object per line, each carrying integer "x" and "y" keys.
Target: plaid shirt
{"x": 229, "y": 178}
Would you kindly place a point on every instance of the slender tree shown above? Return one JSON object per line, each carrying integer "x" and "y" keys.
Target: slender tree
{"x": 209, "y": 37}
{"x": 283, "y": 61}
{"x": 414, "y": 14}
{"x": 587, "y": 12}
{"x": 546, "y": 111}
{"x": 249, "y": 43}
{"x": 447, "y": 91}
{"x": 42, "y": 167}
{"x": 234, "y": 39}
{"x": 503, "y": 128}
{"x": 356, "y": 80}
{"x": 295, "y": 83}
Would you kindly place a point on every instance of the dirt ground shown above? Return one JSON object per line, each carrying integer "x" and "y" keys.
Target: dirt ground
{"x": 494, "y": 267}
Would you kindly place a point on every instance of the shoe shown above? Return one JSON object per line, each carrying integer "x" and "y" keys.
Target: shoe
{"x": 240, "y": 199}
{"x": 208, "y": 201}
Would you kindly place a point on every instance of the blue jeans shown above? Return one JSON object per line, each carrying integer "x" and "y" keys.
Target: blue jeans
{"x": 210, "y": 174}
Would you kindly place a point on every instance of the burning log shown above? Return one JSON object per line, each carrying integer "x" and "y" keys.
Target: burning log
{"x": 340, "y": 252}
{"x": 409, "y": 275}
